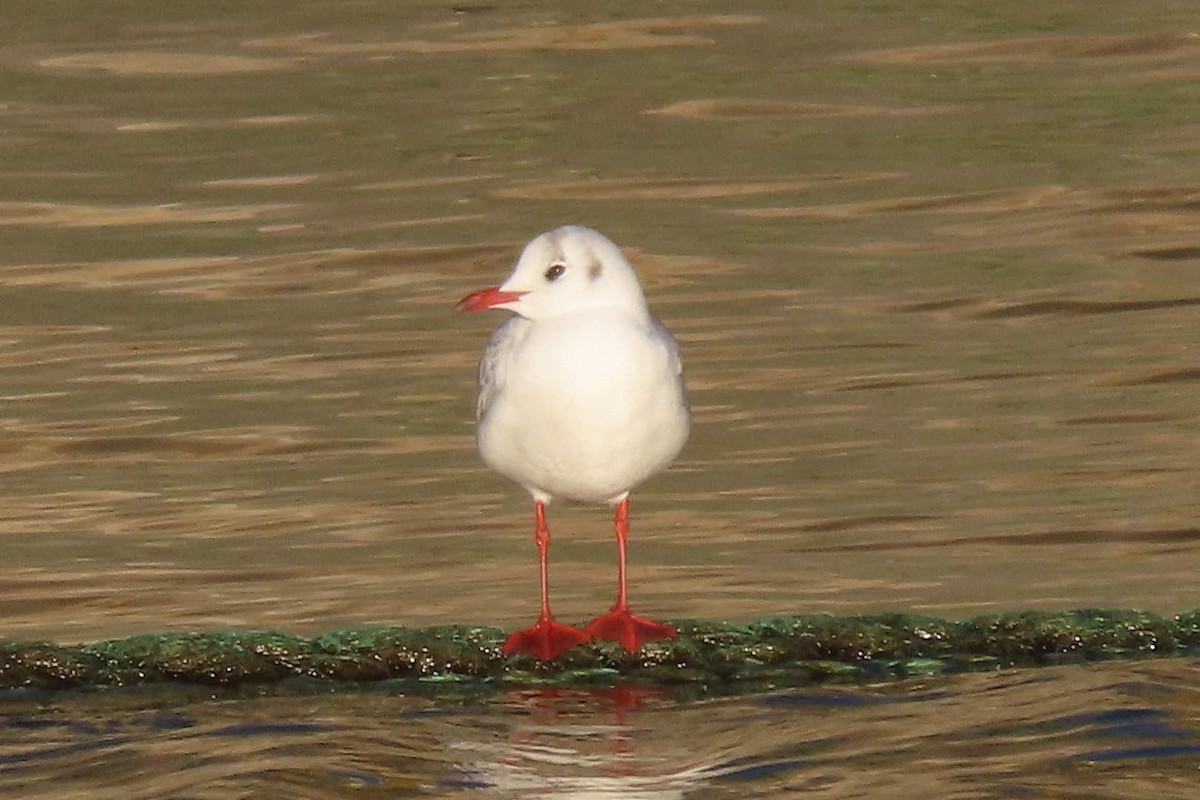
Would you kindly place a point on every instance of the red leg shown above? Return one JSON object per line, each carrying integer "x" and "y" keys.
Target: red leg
{"x": 548, "y": 638}
{"x": 619, "y": 624}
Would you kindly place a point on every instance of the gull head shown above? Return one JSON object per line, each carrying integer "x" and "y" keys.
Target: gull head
{"x": 562, "y": 271}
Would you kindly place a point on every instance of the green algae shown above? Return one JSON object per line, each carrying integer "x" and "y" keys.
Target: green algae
{"x": 779, "y": 651}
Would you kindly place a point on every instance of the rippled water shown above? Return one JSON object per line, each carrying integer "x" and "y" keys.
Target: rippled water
{"x": 934, "y": 271}
{"x": 1104, "y": 732}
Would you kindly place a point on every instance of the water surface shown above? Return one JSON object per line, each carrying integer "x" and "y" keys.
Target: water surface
{"x": 934, "y": 271}
{"x": 1107, "y": 732}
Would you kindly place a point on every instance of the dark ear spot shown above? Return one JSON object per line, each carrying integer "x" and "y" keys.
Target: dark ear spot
{"x": 595, "y": 270}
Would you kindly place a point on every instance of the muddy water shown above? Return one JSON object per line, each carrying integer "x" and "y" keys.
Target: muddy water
{"x": 935, "y": 274}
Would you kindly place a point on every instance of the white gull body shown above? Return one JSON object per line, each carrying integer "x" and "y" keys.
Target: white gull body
{"x": 581, "y": 393}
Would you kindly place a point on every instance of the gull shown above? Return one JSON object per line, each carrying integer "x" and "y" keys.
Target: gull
{"x": 581, "y": 398}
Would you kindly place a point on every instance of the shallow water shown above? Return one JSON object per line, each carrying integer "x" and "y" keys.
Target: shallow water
{"x": 934, "y": 272}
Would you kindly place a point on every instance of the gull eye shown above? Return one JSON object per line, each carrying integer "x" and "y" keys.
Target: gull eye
{"x": 555, "y": 272}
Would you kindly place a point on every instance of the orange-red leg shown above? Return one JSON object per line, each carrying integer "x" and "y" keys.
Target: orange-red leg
{"x": 547, "y": 638}
{"x": 619, "y": 624}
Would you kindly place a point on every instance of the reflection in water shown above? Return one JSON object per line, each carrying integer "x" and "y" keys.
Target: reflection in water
{"x": 1048, "y": 732}
{"x": 1001, "y": 734}
{"x": 576, "y": 745}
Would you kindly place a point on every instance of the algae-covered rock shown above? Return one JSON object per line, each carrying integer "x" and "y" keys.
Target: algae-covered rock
{"x": 776, "y": 652}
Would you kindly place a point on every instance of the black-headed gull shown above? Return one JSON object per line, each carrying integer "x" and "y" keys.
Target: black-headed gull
{"x": 581, "y": 397}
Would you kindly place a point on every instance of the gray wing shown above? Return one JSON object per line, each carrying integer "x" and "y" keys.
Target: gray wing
{"x": 493, "y": 372}
{"x": 672, "y": 346}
